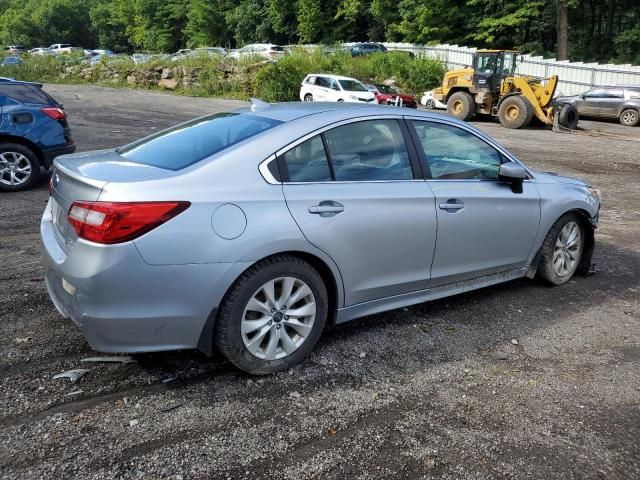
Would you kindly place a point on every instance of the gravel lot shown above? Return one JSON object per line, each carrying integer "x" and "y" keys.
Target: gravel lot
{"x": 513, "y": 381}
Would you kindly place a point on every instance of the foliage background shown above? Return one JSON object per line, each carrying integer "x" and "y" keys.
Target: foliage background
{"x": 599, "y": 30}
{"x": 217, "y": 76}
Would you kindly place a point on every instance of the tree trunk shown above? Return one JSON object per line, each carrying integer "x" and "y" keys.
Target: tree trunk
{"x": 562, "y": 28}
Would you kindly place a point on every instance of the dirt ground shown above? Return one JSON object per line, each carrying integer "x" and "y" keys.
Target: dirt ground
{"x": 513, "y": 381}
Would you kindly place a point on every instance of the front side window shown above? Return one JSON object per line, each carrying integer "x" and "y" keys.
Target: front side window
{"x": 352, "y": 86}
{"x": 456, "y": 154}
{"x": 196, "y": 140}
{"x": 369, "y": 150}
{"x": 595, "y": 94}
{"x": 308, "y": 162}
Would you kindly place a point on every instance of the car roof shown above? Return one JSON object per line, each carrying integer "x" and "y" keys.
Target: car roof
{"x": 289, "y": 111}
{"x": 331, "y": 75}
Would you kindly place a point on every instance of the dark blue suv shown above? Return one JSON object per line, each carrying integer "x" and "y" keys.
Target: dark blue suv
{"x": 33, "y": 131}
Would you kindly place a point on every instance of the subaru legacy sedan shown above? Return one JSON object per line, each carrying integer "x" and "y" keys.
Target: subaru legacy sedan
{"x": 253, "y": 230}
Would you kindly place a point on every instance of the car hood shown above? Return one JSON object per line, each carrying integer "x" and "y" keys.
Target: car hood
{"x": 552, "y": 177}
{"x": 567, "y": 98}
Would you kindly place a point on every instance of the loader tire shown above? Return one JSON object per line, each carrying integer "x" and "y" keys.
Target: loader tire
{"x": 515, "y": 112}
{"x": 568, "y": 116}
{"x": 461, "y": 105}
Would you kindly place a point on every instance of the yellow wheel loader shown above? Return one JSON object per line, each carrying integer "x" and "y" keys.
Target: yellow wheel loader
{"x": 490, "y": 87}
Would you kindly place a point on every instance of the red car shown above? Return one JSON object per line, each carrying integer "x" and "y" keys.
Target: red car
{"x": 387, "y": 95}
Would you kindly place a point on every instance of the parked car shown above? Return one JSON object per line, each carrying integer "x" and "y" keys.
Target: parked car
{"x": 387, "y": 95}
{"x": 181, "y": 54}
{"x": 59, "y": 48}
{"x": 268, "y": 51}
{"x": 320, "y": 87}
{"x": 33, "y": 131}
{"x": 41, "y": 51}
{"x": 102, "y": 51}
{"x": 430, "y": 102}
{"x": 621, "y": 102}
{"x": 208, "y": 51}
{"x": 366, "y": 48}
{"x": 12, "y": 60}
{"x": 252, "y": 230}
{"x": 15, "y": 49}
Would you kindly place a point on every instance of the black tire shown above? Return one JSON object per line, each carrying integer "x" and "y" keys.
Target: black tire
{"x": 341, "y": 99}
{"x": 629, "y": 117}
{"x": 546, "y": 271}
{"x": 431, "y": 105}
{"x": 9, "y": 149}
{"x": 569, "y": 116}
{"x": 461, "y": 105}
{"x": 227, "y": 333}
{"x": 308, "y": 97}
{"x": 515, "y": 112}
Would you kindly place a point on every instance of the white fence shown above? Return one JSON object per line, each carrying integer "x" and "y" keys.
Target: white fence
{"x": 575, "y": 77}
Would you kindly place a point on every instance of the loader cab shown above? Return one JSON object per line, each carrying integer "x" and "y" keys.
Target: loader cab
{"x": 491, "y": 67}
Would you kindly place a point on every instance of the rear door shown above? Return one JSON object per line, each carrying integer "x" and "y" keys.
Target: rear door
{"x": 355, "y": 192}
{"x": 483, "y": 226}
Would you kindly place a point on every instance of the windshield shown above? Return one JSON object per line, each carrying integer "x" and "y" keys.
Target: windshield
{"x": 386, "y": 89}
{"x": 352, "y": 86}
{"x": 191, "y": 142}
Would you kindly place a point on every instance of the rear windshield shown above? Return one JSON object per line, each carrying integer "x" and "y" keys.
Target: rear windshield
{"x": 26, "y": 93}
{"x": 194, "y": 141}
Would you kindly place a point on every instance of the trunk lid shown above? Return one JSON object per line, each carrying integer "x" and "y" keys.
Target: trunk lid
{"x": 82, "y": 177}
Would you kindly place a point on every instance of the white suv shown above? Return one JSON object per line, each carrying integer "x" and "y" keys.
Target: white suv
{"x": 319, "y": 87}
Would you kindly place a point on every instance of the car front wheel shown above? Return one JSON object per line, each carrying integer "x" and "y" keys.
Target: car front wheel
{"x": 273, "y": 315}
{"x": 19, "y": 167}
{"x": 562, "y": 250}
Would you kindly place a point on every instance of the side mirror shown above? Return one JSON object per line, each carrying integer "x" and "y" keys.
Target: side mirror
{"x": 513, "y": 173}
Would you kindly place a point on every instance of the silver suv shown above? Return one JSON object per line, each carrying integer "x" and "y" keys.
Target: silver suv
{"x": 621, "y": 102}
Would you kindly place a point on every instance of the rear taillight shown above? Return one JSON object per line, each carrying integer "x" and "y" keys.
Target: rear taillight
{"x": 54, "y": 112}
{"x": 114, "y": 222}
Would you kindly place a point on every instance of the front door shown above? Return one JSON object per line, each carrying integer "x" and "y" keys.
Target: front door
{"x": 590, "y": 103}
{"x": 483, "y": 226}
{"x": 609, "y": 105}
{"x": 353, "y": 192}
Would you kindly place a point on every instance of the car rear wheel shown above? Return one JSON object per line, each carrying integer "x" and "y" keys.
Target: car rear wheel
{"x": 562, "y": 250}
{"x": 430, "y": 104}
{"x": 19, "y": 167}
{"x": 273, "y": 315}
{"x": 308, "y": 97}
{"x": 629, "y": 118}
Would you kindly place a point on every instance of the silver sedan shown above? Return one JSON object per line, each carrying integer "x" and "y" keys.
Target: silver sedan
{"x": 252, "y": 231}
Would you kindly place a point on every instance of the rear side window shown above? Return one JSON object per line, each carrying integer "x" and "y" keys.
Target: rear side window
{"x": 369, "y": 150}
{"x": 194, "y": 141}
{"x": 308, "y": 162}
{"x": 455, "y": 154}
{"x": 25, "y": 93}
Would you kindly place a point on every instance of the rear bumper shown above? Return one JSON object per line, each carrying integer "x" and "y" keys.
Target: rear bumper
{"x": 51, "y": 153}
{"x": 122, "y": 304}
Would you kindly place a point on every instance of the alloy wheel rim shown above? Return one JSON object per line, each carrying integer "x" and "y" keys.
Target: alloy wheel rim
{"x": 15, "y": 168}
{"x": 278, "y": 318}
{"x": 567, "y": 249}
{"x": 628, "y": 117}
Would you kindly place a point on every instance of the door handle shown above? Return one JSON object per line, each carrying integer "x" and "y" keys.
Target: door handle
{"x": 327, "y": 208}
{"x": 452, "y": 205}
